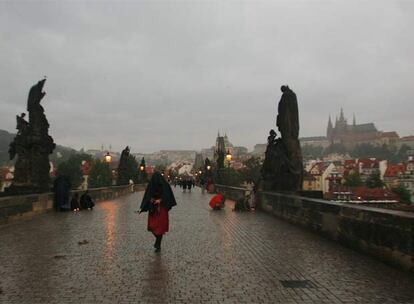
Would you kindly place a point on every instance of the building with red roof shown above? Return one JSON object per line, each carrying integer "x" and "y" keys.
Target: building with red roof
{"x": 393, "y": 174}
{"x": 365, "y": 194}
{"x": 319, "y": 171}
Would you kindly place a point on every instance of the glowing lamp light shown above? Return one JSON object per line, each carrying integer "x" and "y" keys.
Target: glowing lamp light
{"x": 141, "y": 168}
{"x": 208, "y": 167}
{"x": 108, "y": 157}
{"x": 228, "y": 156}
{"x": 199, "y": 172}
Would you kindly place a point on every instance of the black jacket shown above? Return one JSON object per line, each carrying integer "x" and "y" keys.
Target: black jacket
{"x": 158, "y": 185}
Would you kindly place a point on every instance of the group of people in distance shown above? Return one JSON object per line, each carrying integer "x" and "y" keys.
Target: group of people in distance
{"x": 186, "y": 184}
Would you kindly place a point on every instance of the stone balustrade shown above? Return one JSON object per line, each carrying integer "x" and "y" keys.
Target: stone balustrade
{"x": 18, "y": 207}
{"x": 385, "y": 234}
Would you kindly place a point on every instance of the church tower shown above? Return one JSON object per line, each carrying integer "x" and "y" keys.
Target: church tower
{"x": 329, "y": 129}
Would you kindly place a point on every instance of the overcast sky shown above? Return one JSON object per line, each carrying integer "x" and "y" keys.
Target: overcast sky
{"x": 167, "y": 75}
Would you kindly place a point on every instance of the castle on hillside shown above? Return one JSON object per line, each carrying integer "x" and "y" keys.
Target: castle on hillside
{"x": 351, "y": 135}
{"x": 343, "y": 130}
{"x": 354, "y": 134}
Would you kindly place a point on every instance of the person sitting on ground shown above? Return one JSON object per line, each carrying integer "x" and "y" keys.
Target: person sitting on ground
{"x": 74, "y": 203}
{"x": 86, "y": 201}
{"x": 242, "y": 204}
{"x": 217, "y": 202}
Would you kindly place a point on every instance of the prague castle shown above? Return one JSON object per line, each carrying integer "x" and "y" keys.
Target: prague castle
{"x": 351, "y": 135}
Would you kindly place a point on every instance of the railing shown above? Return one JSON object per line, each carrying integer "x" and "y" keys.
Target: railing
{"x": 23, "y": 206}
{"x": 383, "y": 233}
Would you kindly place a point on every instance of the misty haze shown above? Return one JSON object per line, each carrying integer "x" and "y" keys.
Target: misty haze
{"x": 207, "y": 151}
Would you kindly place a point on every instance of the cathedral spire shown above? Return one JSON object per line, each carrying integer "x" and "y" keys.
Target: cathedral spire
{"x": 330, "y": 127}
{"x": 342, "y": 117}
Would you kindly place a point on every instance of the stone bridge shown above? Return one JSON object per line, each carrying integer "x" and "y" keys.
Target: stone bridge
{"x": 106, "y": 256}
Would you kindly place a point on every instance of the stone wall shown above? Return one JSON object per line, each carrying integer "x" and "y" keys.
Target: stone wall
{"x": 18, "y": 207}
{"x": 385, "y": 234}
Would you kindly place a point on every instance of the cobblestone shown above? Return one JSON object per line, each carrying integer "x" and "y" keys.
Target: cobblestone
{"x": 208, "y": 257}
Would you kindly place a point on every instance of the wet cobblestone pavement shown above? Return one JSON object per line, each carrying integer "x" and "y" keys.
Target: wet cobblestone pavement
{"x": 106, "y": 256}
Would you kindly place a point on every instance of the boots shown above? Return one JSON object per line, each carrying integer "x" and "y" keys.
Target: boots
{"x": 157, "y": 244}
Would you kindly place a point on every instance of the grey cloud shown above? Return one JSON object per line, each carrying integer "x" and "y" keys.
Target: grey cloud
{"x": 169, "y": 74}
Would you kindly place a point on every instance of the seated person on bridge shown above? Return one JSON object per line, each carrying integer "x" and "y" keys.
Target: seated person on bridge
{"x": 242, "y": 204}
{"x": 86, "y": 201}
{"x": 217, "y": 202}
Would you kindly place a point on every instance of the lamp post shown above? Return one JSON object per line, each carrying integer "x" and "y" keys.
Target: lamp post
{"x": 228, "y": 157}
{"x": 108, "y": 157}
{"x": 142, "y": 176}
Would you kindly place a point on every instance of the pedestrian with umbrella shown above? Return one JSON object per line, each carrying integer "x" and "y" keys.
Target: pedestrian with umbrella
{"x": 158, "y": 201}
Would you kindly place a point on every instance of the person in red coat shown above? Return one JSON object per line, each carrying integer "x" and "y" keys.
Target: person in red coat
{"x": 158, "y": 200}
{"x": 217, "y": 202}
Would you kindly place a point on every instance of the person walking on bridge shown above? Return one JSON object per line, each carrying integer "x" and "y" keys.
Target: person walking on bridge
{"x": 158, "y": 200}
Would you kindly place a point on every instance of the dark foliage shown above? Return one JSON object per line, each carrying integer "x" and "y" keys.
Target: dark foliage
{"x": 374, "y": 180}
{"x": 71, "y": 168}
{"x": 403, "y": 193}
{"x": 100, "y": 175}
{"x": 353, "y": 180}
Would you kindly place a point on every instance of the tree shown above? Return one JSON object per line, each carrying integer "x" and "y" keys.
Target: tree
{"x": 100, "y": 175}
{"x": 353, "y": 179}
{"x": 312, "y": 152}
{"x": 128, "y": 170}
{"x": 251, "y": 170}
{"x": 160, "y": 168}
{"x": 335, "y": 148}
{"x": 374, "y": 180}
{"x": 369, "y": 150}
{"x": 403, "y": 193}
{"x": 229, "y": 177}
{"x": 402, "y": 153}
{"x": 71, "y": 168}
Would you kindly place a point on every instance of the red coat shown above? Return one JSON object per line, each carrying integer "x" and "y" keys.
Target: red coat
{"x": 158, "y": 221}
{"x": 216, "y": 200}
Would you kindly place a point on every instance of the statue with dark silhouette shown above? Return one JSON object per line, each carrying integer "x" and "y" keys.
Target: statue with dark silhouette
{"x": 123, "y": 172}
{"x": 283, "y": 168}
{"x": 32, "y": 146}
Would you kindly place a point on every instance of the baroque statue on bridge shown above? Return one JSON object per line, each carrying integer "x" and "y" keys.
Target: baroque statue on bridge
{"x": 32, "y": 146}
{"x": 283, "y": 168}
{"x": 123, "y": 172}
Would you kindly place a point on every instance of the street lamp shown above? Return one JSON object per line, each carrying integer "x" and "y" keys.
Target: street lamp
{"x": 199, "y": 172}
{"x": 208, "y": 167}
{"x": 108, "y": 157}
{"x": 142, "y": 168}
{"x": 228, "y": 156}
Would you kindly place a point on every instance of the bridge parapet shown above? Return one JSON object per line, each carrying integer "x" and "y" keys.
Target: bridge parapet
{"x": 385, "y": 234}
{"x": 18, "y": 207}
